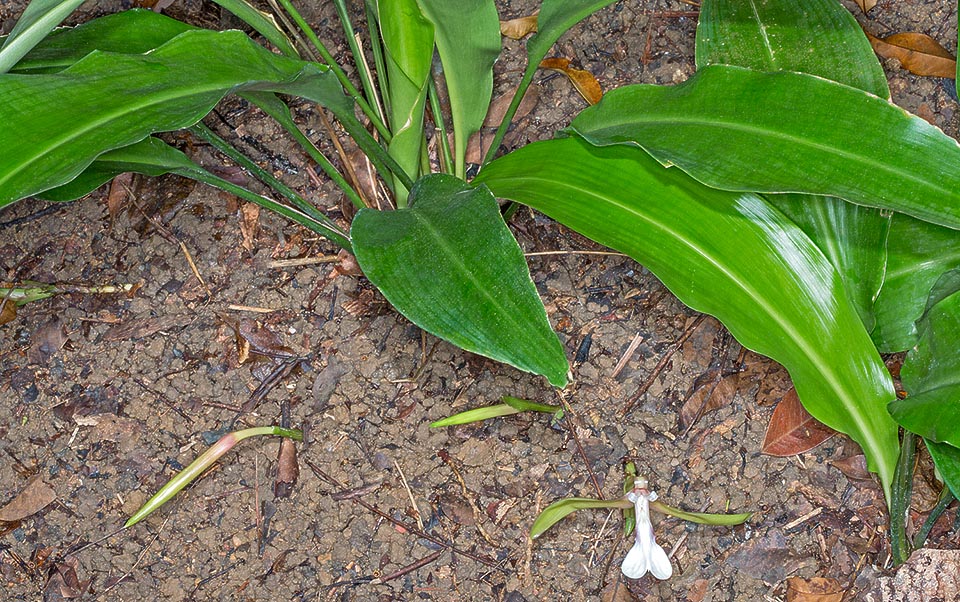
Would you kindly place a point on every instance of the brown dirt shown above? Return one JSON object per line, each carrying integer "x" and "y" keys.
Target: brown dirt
{"x": 142, "y": 384}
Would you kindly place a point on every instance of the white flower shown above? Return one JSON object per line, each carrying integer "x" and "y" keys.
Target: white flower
{"x": 645, "y": 555}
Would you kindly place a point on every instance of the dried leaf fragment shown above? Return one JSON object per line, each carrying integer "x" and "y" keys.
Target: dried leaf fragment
{"x": 792, "y": 430}
{"x": 519, "y": 27}
{"x": 866, "y": 5}
{"x": 249, "y": 224}
{"x": 816, "y": 589}
{"x": 584, "y": 81}
{"x": 918, "y": 53}
{"x": 32, "y": 499}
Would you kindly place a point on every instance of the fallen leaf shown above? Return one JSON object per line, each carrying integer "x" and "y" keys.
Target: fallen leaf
{"x": 519, "y": 27}
{"x": 853, "y": 467}
{"x": 866, "y": 5}
{"x": 249, "y": 224}
{"x": 918, "y": 53}
{"x": 498, "y": 108}
{"x": 8, "y": 311}
{"x": 64, "y": 581}
{"x": 47, "y": 340}
{"x": 816, "y": 589}
{"x": 120, "y": 190}
{"x": 32, "y": 499}
{"x": 720, "y": 395}
{"x": 584, "y": 81}
{"x": 792, "y": 430}
{"x": 138, "y": 328}
{"x": 287, "y": 469}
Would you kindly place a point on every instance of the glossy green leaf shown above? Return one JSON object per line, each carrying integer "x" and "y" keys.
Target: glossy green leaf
{"x": 702, "y": 518}
{"x": 476, "y": 415}
{"x": 775, "y": 35}
{"x": 931, "y": 377}
{"x": 525, "y": 405}
{"x": 819, "y": 37}
{"x": 37, "y": 20}
{"x": 738, "y": 129}
{"x": 947, "y": 460}
{"x": 918, "y": 255}
{"x": 408, "y": 39}
{"x": 131, "y": 31}
{"x": 264, "y": 23}
{"x": 57, "y": 124}
{"x": 468, "y": 41}
{"x": 731, "y": 255}
{"x": 450, "y": 265}
{"x": 557, "y": 511}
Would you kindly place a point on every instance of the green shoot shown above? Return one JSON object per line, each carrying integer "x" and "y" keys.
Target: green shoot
{"x": 510, "y": 406}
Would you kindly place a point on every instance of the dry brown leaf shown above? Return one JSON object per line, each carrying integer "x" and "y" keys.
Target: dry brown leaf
{"x": 137, "y": 328}
{"x": 918, "y": 53}
{"x": 8, "y": 311}
{"x": 816, "y": 589}
{"x": 32, "y": 499}
{"x": 720, "y": 395}
{"x": 46, "y": 341}
{"x": 853, "y": 467}
{"x": 287, "y": 469}
{"x": 519, "y": 27}
{"x": 584, "y": 81}
{"x": 866, "y": 5}
{"x": 120, "y": 189}
{"x": 498, "y": 108}
{"x": 792, "y": 430}
{"x": 249, "y": 224}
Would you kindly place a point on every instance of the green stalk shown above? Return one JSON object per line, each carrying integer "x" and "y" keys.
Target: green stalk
{"x": 366, "y": 78}
{"x": 946, "y": 497}
{"x": 900, "y": 499}
{"x": 202, "y": 463}
{"x": 379, "y": 64}
{"x": 446, "y": 158}
{"x": 204, "y": 133}
{"x": 344, "y": 80}
{"x": 511, "y": 111}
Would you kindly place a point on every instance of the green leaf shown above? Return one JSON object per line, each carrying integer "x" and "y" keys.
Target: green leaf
{"x": 947, "y": 460}
{"x": 264, "y": 24}
{"x": 557, "y": 511}
{"x": 476, "y": 415}
{"x": 737, "y": 129}
{"x": 918, "y": 255}
{"x": 702, "y": 518}
{"x": 37, "y": 20}
{"x": 819, "y": 37}
{"x": 727, "y": 254}
{"x": 450, "y": 265}
{"x": 931, "y": 377}
{"x": 775, "y": 35}
{"x": 55, "y": 125}
{"x": 525, "y": 405}
{"x": 468, "y": 40}
{"x": 131, "y": 31}
{"x": 408, "y": 45}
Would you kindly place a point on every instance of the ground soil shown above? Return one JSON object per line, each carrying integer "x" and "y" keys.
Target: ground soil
{"x": 104, "y": 397}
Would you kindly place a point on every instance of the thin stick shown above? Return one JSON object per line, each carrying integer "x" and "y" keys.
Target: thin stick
{"x": 409, "y": 568}
{"x": 413, "y": 502}
{"x": 625, "y": 358}
{"x": 661, "y": 365}
{"x": 301, "y": 261}
{"x": 576, "y": 439}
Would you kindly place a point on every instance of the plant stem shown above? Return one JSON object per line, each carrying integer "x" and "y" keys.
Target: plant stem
{"x": 337, "y": 70}
{"x": 443, "y": 144}
{"x": 900, "y": 499}
{"x": 379, "y": 64}
{"x": 511, "y": 111}
{"x": 204, "y": 133}
{"x": 366, "y": 78}
{"x": 946, "y": 497}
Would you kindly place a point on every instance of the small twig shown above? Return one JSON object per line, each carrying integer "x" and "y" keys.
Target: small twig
{"x": 799, "y": 521}
{"x": 625, "y": 358}
{"x": 251, "y": 308}
{"x": 140, "y": 556}
{"x": 413, "y": 501}
{"x": 293, "y": 263}
{"x": 571, "y": 426}
{"x": 399, "y": 523}
{"x": 409, "y": 568}
{"x": 477, "y": 515}
{"x": 662, "y": 364}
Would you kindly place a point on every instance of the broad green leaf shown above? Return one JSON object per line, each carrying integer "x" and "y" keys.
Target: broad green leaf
{"x": 554, "y": 19}
{"x": 947, "y": 460}
{"x": 918, "y": 255}
{"x": 819, "y": 37}
{"x": 55, "y": 125}
{"x": 738, "y": 129}
{"x": 468, "y": 40}
{"x": 37, "y": 20}
{"x": 775, "y": 35}
{"x": 408, "y": 46}
{"x": 450, "y": 265}
{"x": 557, "y": 511}
{"x": 931, "y": 377}
{"x": 264, "y": 23}
{"x": 131, "y": 31}
{"x": 731, "y": 255}
{"x": 852, "y": 237}
{"x": 702, "y": 518}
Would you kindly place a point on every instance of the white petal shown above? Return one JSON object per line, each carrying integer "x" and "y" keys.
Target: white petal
{"x": 660, "y": 565}
{"x": 636, "y": 563}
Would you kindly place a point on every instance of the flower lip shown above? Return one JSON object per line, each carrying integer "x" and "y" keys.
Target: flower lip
{"x": 646, "y": 554}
